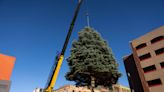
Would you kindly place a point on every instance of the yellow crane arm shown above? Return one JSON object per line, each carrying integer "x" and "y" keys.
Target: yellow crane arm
{"x": 53, "y": 77}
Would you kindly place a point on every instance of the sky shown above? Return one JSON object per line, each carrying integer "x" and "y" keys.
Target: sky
{"x": 34, "y": 31}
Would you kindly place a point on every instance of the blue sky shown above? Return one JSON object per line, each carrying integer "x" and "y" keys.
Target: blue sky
{"x": 34, "y": 30}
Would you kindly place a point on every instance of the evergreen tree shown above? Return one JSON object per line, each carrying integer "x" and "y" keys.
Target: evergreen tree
{"x": 91, "y": 61}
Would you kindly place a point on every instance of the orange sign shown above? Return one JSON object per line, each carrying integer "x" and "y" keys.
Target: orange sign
{"x": 6, "y": 66}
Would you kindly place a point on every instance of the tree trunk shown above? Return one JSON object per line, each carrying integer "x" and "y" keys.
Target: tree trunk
{"x": 92, "y": 83}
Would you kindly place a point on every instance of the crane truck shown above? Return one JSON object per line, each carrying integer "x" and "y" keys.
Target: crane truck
{"x": 58, "y": 62}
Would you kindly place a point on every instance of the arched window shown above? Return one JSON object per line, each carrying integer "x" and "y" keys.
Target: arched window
{"x": 155, "y": 82}
{"x": 159, "y": 51}
{"x": 145, "y": 56}
{"x": 149, "y": 68}
{"x": 162, "y": 64}
{"x": 141, "y": 46}
{"x": 159, "y": 38}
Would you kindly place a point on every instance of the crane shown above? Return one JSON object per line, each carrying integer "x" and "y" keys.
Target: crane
{"x": 56, "y": 67}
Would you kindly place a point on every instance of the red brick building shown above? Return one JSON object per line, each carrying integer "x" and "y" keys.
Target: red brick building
{"x": 145, "y": 66}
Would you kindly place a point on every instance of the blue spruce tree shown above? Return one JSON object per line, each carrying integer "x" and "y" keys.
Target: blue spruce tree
{"x": 91, "y": 61}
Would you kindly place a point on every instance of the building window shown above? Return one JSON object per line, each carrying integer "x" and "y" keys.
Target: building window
{"x": 155, "y": 82}
{"x": 159, "y": 51}
{"x": 159, "y": 38}
{"x": 149, "y": 69}
{"x": 141, "y": 46}
{"x": 162, "y": 64}
{"x": 145, "y": 56}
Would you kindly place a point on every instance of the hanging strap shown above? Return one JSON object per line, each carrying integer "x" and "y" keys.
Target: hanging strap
{"x": 87, "y": 14}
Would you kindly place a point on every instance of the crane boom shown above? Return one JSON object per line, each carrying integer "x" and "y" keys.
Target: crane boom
{"x": 71, "y": 27}
{"x": 56, "y": 69}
